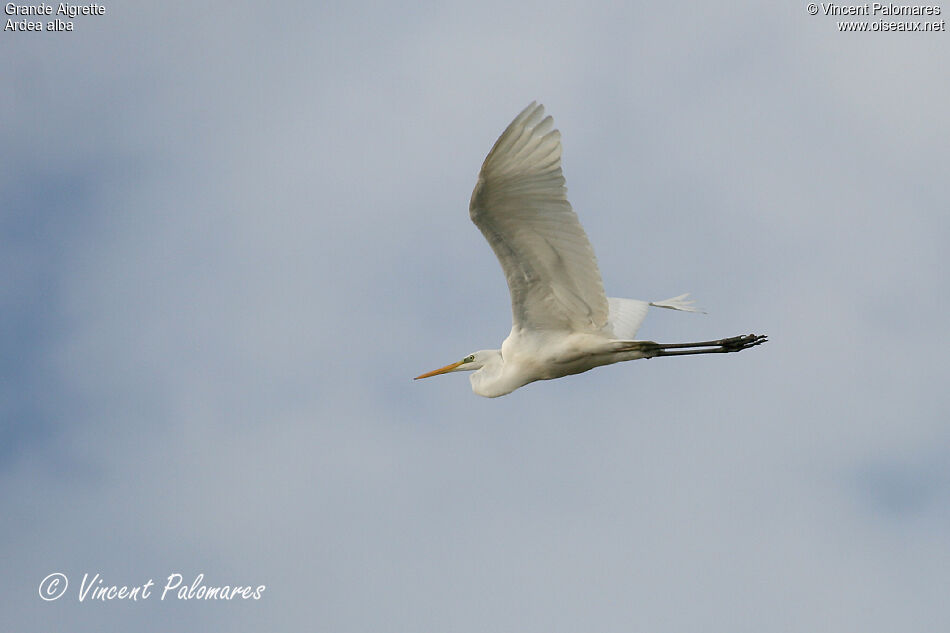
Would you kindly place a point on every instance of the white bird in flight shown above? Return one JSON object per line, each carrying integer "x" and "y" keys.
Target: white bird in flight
{"x": 563, "y": 323}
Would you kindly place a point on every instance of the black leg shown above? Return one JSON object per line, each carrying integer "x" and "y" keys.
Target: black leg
{"x": 722, "y": 346}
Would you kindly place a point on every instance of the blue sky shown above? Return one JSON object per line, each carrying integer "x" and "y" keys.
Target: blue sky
{"x": 231, "y": 236}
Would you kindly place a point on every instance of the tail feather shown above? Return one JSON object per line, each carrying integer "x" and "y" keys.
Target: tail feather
{"x": 625, "y": 316}
{"x": 678, "y": 303}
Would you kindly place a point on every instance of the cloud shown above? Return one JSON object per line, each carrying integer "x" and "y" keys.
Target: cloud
{"x": 232, "y": 237}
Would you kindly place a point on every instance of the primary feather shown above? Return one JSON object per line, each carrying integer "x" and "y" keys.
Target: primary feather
{"x": 520, "y": 205}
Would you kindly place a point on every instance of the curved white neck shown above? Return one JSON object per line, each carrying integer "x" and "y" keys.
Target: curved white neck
{"x": 492, "y": 380}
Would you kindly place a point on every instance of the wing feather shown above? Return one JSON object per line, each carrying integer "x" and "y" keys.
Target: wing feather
{"x": 520, "y": 205}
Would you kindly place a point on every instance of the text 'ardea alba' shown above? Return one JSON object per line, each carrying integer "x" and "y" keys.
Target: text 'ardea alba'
{"x": 563, "y": 323}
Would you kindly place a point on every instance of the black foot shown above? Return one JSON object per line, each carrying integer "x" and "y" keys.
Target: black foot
{"x": 739, "y": 343}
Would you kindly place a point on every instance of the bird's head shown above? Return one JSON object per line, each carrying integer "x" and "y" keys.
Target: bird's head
{"x": 469, "y": 363}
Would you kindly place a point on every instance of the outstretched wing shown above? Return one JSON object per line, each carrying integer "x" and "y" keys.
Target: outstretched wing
{"x": 520, "y": 205}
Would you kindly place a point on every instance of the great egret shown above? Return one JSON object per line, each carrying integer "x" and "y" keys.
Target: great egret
{"x": 563, "y": 323}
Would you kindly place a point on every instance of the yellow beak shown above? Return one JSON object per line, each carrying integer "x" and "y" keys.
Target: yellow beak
{"x": 441, "y": 370}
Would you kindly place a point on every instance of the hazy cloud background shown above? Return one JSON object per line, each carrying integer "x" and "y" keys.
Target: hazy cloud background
{"x": 230, "y": 236}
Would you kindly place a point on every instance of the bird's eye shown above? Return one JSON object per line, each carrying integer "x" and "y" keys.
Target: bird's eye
{"x": 469, "y": 359}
